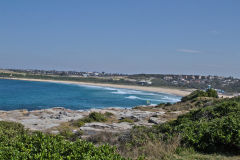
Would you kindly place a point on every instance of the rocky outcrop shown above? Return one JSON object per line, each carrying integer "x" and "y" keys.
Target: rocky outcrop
{"x": 46, "y": 119}
{"x": 156, "y": 120}
{"x": 96, "y": 127}
{"x": 41, "y": 119}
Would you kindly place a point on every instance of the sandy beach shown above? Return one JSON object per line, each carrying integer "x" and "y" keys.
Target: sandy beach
{"x": 178, "y": 92}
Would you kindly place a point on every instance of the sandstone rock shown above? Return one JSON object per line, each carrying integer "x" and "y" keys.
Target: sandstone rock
{"x": 97, "y": 127}
{"x": 176, "y": 112}
{"x": 45, "y": 119}
{"x": 156, "y": 120}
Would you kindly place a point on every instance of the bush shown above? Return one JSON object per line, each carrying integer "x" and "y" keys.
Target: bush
{"x": 92, "y": 117}
{"x": 16, "y": 143}
{"x": 193, "y": 95}
{"x": 168, "y": 104}
{"x": 200, "y": 93}
{"x": 213, "y": 128}
{"x": 97, "y": 117}
{"x": 108, "y": 114}
{"x": 212, "y": 93}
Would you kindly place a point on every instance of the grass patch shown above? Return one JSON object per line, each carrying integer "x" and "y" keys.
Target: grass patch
{"x": 93, "y": 117}
{"x": 129, "y": 120}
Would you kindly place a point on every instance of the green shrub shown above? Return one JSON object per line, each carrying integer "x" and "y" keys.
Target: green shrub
{"x": 10, "y": 130}
{"x": 168, "y": 104}
{"x": 92, "y": 117}
{"x": 213, "y": 128}
{"x": 97, "y": 117}
{"x": 19, "y": 144}
{"x": 195, "y": 94}
{"x": 200, "y": 93}
{"x": 212, "y": 93}
{"x": 108, "y": 114}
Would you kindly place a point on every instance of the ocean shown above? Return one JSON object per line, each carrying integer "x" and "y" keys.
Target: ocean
{"x": 32, "y": 95}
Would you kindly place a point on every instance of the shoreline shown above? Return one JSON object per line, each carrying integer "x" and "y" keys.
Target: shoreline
{"x": 172, "y": 91}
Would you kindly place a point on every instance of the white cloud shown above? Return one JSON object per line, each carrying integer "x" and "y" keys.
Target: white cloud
{"x": 188, "y": 51}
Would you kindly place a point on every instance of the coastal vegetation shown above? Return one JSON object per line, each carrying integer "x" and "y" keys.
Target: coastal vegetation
{"x": 209, "y": 129}
{"x": 92, "y": 117}
{"x": 18, "y": 143}
{"x": 212, "y": 128}
{"x": 129, "y": 120}
{"x": 200, "y": 93}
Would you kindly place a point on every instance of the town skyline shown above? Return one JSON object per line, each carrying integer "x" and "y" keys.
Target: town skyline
{"x": 114, "y": 73}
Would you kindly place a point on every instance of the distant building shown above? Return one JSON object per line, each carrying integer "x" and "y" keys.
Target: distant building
{"x": 197, "y": 81}
{"x": 220, "y": 90}
{"x": 144, "y": 82}
{"x": 96, "y": 74}
{"x": 175, "y": 82}
{"x": 210, "y": 77}
{"x": 167, "y": 78}
{"x": 209, "y": 86}
{"x": 198, "y": 77}
{"x": 85, "y": 75}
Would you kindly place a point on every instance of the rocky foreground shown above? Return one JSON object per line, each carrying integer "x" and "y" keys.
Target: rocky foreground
{"x": 47, "y": 120}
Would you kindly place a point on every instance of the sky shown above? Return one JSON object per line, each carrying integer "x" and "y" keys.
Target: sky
{"x": 124, "y": 36}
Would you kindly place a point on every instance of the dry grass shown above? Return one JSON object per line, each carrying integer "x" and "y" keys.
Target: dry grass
{"x": 192, "y": 155}
{"x": 103, "y": 138}
{"x": 172, "y": 111}
{"x": 111, "y": 119}
{"x": 129, "y": 120}
{"x": 151, "y": 150}
{"x": 147, "y": 108}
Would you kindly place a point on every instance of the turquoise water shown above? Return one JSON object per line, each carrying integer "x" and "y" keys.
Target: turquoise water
{"x": 16, "y": 94}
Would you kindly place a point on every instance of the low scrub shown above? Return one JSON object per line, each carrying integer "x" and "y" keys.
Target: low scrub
{"x": 210, "y": 129}
{"x": 128, "y": 120}
{"x": 92, "y": 117}
{"x": 200, "y": 93}
{"x": 17, "y": 143}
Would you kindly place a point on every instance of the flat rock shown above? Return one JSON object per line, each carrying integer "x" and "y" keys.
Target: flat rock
{"x": 156, "y": 120}
{"x": 45, "y": 119}
{"x": 96, "y": 127}
{"x": 41, "y": 119}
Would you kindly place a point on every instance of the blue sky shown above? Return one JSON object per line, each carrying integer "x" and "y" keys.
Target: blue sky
{"x": 127, "y": 36}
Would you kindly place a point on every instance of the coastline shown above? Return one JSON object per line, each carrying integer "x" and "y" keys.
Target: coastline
{"x": 173, "y": 91}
